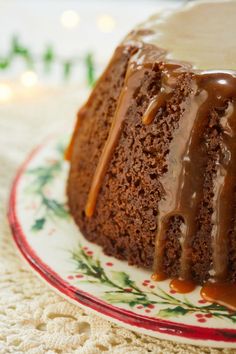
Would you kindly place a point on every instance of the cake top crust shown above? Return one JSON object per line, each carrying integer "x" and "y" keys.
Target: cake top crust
{"x": 201, "y": 33}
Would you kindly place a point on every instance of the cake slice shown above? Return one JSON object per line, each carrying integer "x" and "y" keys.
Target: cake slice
{"x": 153, "y": 155}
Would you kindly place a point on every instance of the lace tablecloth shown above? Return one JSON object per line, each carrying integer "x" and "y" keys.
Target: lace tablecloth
{"x": 33, "y": 319}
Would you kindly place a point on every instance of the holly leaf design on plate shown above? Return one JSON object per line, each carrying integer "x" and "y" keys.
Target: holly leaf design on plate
{"x": 57, "y": 208}
{"x": 125, "y": 298}
{"x": 38, "y": 224}
{"x": 122, "y": 279}
{"x": 170, "y": 312}
{"x": 41, "y": 186}
{"x": 124, "y": 290}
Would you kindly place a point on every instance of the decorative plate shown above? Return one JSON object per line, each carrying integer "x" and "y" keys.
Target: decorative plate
{"x": 51, "y": 243}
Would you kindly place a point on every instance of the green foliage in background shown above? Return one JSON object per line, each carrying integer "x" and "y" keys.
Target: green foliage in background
{"x": 48, "y": 58}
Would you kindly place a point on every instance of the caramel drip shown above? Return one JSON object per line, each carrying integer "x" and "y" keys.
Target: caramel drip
{"x": 80, "y": 118}
{"x": 182, "y": 286}
{"x": 183, "y": 194}
{"x": 141, "y": 60}
{"x": 221, "y": 293}
{"x": 221, "y": 89}
{"x": 159, "y": 276}
{"x": 175, "y": 180}
{"x": 157, "y": 102}
{"x": 131, "y": 82}
{"x": 135, "y": 72}
{"x": 190, "y": 190}
{"x": 168, "y": 85}
{"x": 122, "y": 50}
{"x": 219, "y": 181}
{"x": 226, "y": 181}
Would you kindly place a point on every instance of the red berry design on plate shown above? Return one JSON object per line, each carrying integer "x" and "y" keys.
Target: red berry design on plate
{"x": 151, "y": 306}
{"x": 144, "y": 284}
{"x": 89, "y": 253}
{"x": 202, "y": 301}
{"x": 152, "y": 286}
{"x": 128, "y": 290}
{"x": 109, "y": 264}
{"x": 147, "y": 311}
{"x": 208, "y": 315}
{"x": 139, "y": 307}
{"x": 70, "y": 277}
{"x": 199, "y": 315}
{"x": 172, "y": 291}
{"x": 201, "y": 320}
{"x": 79, "y": 276}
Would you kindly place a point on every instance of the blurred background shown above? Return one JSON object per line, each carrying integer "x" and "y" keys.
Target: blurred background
{"x": 51, "y": 43}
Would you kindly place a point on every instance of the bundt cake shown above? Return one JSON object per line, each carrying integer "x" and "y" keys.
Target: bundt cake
{"x": 153, "y": 155}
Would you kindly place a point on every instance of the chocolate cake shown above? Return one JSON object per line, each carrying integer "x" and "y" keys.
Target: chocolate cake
{"x": 153, "y": 154}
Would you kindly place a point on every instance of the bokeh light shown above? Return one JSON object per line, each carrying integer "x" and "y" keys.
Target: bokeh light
{"x": 106, "y": 23}
{"x": 70, "y": 19}
{"x": 29, "y": 78}
{"x": 5, "y": 92}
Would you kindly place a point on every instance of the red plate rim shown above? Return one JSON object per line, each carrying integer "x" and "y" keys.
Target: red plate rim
{"x": 156, "y": 325}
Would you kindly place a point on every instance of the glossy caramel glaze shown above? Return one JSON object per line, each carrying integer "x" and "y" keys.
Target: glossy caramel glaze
{"x": 195, "y": 32}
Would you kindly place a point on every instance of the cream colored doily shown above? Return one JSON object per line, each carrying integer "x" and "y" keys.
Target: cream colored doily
{"x": 33, "y": 319}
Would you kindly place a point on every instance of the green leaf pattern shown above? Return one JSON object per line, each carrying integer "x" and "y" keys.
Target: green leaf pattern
{"x": 38, "y": 224}
{"x": 119, "y": 288}
{"x": 41, "y": 179}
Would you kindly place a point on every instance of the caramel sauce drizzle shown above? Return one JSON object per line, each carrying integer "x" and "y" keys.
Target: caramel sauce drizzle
{"x": 182, "y": 286}
{"x": 190, "y": 188}
{"x": 226, "y": 178}
{"x": 184, "y": 193}
{"x": 141, "y": 60}
{"x": 157, "y": 102}
{"x": 175, "y": 201}
{"x": 159, "y": 276}
{"x": 80, "y": 117}
{"x": 131, "y": 82}
{"x": 134, "y": 74}
{"x": 217, "y": 91}
{"x": 223, "y": 293}
{"x": 183, "y": 182}
{"x": 168, "y": 84}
